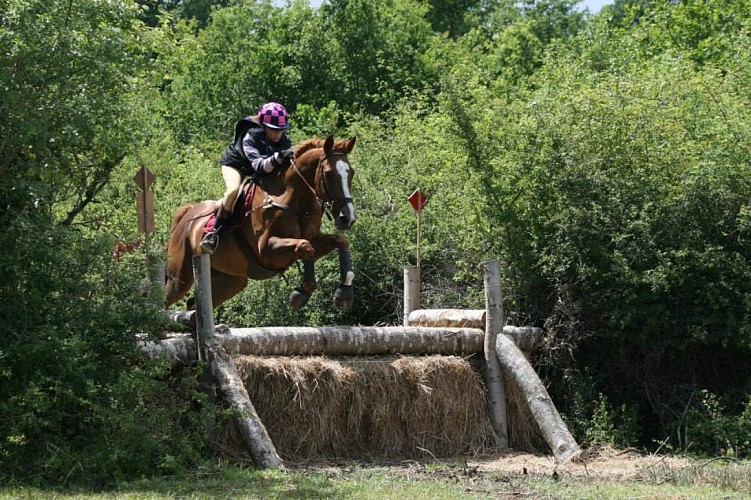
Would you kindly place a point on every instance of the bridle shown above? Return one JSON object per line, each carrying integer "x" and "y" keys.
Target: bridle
{"x": 327, "y": 202}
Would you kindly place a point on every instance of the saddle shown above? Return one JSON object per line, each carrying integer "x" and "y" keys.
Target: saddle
{"x": 240, "y": 209}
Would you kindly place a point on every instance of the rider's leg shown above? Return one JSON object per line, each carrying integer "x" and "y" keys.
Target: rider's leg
{"x": 233, "y": 179}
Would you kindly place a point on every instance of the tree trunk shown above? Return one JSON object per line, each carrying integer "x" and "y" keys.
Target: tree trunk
{"x": 229, "y": 384}
{"x": 543, "y": 410}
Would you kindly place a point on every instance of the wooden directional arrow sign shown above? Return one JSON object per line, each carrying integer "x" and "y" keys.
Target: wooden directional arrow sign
{"x": 144, "y": 178}
{"x": 145, "y": 200}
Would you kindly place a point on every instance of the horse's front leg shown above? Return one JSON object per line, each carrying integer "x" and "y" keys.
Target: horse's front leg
{"x": 324, "y": 244}
{"x": 344, "y": 295}
{"x": 281, "y": 251}
{"x": 300, "y": 295}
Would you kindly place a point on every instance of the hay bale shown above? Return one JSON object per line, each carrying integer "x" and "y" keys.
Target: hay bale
{"x": 367, "y": 408}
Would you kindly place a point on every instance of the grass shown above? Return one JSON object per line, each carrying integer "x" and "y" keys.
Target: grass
{"x": 705, "y": 480}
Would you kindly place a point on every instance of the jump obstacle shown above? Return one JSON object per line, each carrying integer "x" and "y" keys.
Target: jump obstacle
{"x": 445, "y": 332}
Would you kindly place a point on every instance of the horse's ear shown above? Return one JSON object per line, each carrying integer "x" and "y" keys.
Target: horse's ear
{"x": 329, "y": 144}
{"x": 350, "y": 144}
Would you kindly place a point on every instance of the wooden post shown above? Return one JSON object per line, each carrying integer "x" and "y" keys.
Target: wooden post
{"x": 145, "y": 208}
{"x": 493, "y": 328}
{"x": 157, "y": 272}
{"x": 204, "y": 303}
{"x": 411, "y": 291}
{"x": 222, "y": 367}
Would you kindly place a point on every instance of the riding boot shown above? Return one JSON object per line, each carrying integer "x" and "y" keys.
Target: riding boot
{"x": 211, "y": 240}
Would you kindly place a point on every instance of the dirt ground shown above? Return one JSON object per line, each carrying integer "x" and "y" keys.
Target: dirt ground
{"x": 601, "y": 463}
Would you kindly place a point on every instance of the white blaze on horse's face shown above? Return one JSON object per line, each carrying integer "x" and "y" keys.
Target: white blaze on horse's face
{"x": 346, "y": 216}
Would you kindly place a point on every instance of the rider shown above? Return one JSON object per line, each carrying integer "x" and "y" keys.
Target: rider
{"x": 260, "y": 145}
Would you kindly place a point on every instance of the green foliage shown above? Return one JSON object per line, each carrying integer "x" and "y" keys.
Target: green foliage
{"x": 200, "y": 10}
{"x": 620, "y": 194}
{"x": 612, "y": 426}
{"x": 703, "y": 30}
{"x": 594, "y": 420}
{"x": 380, "y": 45}
{"x": 64, "y": 81}
{"x": 78, "y": 402}
{"x": 713, "y": 429}
{"x": 250, "y": 53}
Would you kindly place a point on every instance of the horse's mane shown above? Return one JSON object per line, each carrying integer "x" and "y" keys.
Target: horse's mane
{"x": 309, "y": 144}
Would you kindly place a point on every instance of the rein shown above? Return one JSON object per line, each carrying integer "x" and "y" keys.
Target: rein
{"x": 326, "y": 204}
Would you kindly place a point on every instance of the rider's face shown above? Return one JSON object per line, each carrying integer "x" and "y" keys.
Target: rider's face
{"x": 273, "y": 135}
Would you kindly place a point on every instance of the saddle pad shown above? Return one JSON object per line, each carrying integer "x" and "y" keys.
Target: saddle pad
{"x": 242, "y": 207}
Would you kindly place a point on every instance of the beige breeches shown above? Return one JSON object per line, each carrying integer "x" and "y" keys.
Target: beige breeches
{"x": 232, "y": 178}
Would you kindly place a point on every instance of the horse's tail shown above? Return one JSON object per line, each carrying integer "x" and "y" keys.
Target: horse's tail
{"x": 180, "y": 214}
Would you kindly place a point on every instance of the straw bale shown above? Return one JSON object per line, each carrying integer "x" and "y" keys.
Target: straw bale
{"x": 382, "y": 407}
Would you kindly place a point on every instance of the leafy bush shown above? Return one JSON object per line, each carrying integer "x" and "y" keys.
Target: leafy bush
{"x": 617, "y": 193}
{"x": 79, "y": 402}
{"x": 712, "y": 427}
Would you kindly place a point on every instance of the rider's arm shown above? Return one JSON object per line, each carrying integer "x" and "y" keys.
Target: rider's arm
{"x": 257, "y": 160}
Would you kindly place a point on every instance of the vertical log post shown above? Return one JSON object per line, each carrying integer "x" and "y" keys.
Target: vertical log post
{"x": 493, "y": 327}
{"x": 204, "y": 304}
{"x": 222, "y": 367}
{"x": 411, "y": 291}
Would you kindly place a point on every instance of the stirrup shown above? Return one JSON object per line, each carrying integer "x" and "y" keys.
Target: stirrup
{"x": 209, "y": 242}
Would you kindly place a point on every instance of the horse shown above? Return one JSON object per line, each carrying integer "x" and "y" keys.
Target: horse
{"x": 282, "y": 226}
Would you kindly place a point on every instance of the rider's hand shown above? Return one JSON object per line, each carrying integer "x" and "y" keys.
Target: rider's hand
{"x": 285, "y": 156}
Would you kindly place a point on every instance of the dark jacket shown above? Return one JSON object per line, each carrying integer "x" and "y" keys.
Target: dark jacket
{"x": 250, "y": 151}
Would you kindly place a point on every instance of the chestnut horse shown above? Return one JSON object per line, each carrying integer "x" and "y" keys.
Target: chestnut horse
{"x": 283, "y": 225}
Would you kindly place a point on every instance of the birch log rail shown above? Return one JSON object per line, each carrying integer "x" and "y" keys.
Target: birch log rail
{"x": 340, "y": 341}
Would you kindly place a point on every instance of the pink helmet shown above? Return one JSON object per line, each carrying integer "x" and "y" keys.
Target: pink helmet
{"x": 273, "y": 115}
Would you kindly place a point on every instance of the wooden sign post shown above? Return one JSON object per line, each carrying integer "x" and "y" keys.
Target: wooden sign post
{"x": 145, "y": 207}
{"x": 145, "y": 201}
{"x": 412, "y": 276}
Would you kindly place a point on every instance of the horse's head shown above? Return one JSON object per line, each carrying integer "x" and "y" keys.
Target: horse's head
{"x": 336, "y": 181}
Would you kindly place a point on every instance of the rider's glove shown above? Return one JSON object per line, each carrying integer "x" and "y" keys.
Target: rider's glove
{"x": 284, "y": 157}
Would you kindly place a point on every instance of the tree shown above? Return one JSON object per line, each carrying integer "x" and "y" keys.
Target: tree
{"x": 615, "y": 185}
{"x": 76, "y": 404}
{"x": 381, "y": 45}
{"x": 66, "y": 126}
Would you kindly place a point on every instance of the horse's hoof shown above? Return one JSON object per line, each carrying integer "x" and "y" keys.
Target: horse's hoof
{"x": 298, "y": 299}
{"x": 344, "y": 297}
